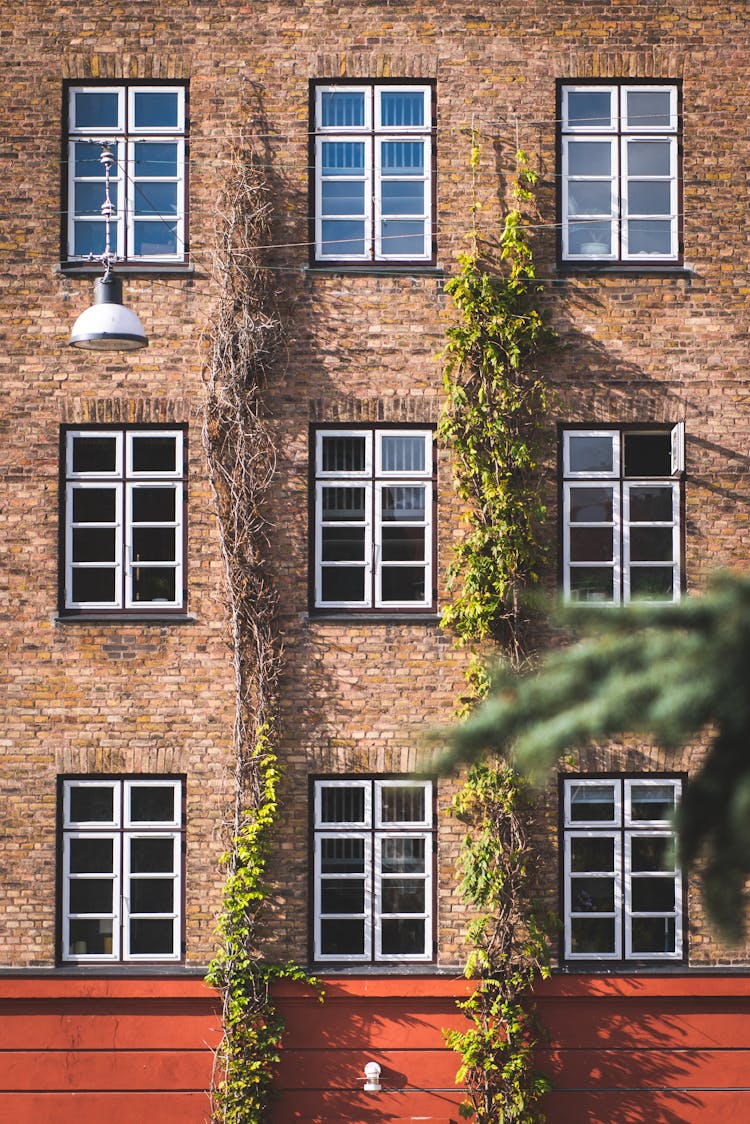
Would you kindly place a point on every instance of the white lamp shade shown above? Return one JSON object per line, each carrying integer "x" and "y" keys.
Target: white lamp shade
{"x": 107, "y": 325}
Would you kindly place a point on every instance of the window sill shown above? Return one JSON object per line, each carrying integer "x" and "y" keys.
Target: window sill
{"x": 375, "y": 269}
{"x": 131, "y": 269}
{"x": 324, "y": 617}
{"x": 624, "y": 968}
{"x": 623, "y": 269}
{"x": 124, "y": 618}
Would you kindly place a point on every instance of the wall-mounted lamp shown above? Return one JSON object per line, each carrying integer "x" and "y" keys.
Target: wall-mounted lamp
{"x": 372, "y": 1078}
{"x": 107, "y": 325}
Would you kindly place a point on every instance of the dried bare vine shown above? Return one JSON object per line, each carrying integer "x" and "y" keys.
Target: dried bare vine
{"x": 243, "y": 338}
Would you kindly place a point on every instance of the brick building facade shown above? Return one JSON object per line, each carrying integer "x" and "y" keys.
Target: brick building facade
{"x": 118, "y": 682}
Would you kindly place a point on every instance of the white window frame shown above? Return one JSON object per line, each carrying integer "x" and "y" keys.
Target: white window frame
{"x": 622, "y": 829}
{"x": 373, "y": 478}
{"x": 622, "y": 135}
{"x": 372, "y": 831}
{"x": 122, "y": 830}
{"x": 621, "y": 486}
{"x": 125, "y": 480}
{"x": 125, "y": 136}
{"x": 373, "y": 133}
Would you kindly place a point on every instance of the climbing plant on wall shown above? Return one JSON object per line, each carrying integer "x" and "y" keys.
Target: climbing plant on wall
{"x": 493, "y": 422}
{"x": 242, "y": 340}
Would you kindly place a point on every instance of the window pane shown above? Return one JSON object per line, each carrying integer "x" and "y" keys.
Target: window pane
{"x": 653, "y": 895}
{"x": 153, "y": 584}
{"x": 342, "y": 544}
{"x": 402, "y": 198}
{"x": 93, "y": 545}
{"x": 646, "y": 197}
{"x": 342, "y": 805}
{"x": 590, "y": 853}
{"x": 401, "y": 108}
{"x": 343, "y": 197}
{"x": 590, "y": 454}
{"x": 402, "y": 804}
{"x": 92, "y": 803}
{"x": 91, "y": 895}
{"x": 652, "y": 583}
{"x": 653, "y": 934}
{"x": 649, "y": 236}
{"x": 651, "y": 544}
{"x": 591, "y": 505}
{"x": 589, "y": 109}
{"x": 591, "y": 544}
{"x": 151, "y": 937}
{"x": 402, "y": 856}
{"x": 340, "y": 937}
{"x": 594, "y": 935}
{"x": 342, "y": 504}
{"x": 402, "y": 158}
{"x": 592, "y": 802}
{"x": 404, "y": 895}
{"x": 343, "y": 454}
{"x": 155, "y": 109}
{"x": 151, "y": 895}
{"x": 154, "y": 505}
{"x": 399, "y": 236}
{"x": 89, "y": 238}
{"x": 649, "y": 158}
{"x": 94, "y": 454}
{"x": 152, "y": 855}
{"x": 93, "y": 585}
{"x": 155, "y": 160}
{"x": 402, "y": 936}
{"x": 343, "y": 158}
{"x": 94, "y": 505}
{"x": 97, "y": 109}
{"x": 155, "y": 238}
{"x": 403, "y": 544}
{"x": 651, "y": 504}
{"x": 402, "y": 454}
{"x": 342, "y": 109}
{"x": 588, "y": 583}
{"x": 591, "y": 238}
{"x": 592, "y": 895}
{"x": 153, "y": 453}
{"x": 90, "y": 938}
{"x": 152, "y": 803}
{"x": 91, "y": 856}
{"x": 88, "y": 165}
{"x": 343, "y": 239}
{"x": 647, "y": 454}
{"x": 89, "y": 198}
{"x": 342, "y": 856}
{"x": 403, "y": 583}
{"x": 590, "y": 158}
{"x": 652, "y": 801}
{"x": 653, "y": 852}
{"x": 342, "y": 897}
{"x": 343, "y": 583}
{"x": 647, "y": 109}
{"x": 155, "y": 199}
{"x": 154, "y": 544}
{"x": 589, "y": 198}
{"x": 403, "y": 503}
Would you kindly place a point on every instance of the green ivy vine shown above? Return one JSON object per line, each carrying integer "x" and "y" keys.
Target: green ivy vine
{"x": 493, "y": 424}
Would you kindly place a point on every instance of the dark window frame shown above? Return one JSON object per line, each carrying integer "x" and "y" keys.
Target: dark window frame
{"x": 372, "y": 610}
{"x": 151, "y": 609}
{"x": 618, "y": 261}
{"x": 372, "y": 962}
{"x": 129, "y": 263}
{"x": 369, "y": 261}
{"x": 676, "y": 431}
{"x": 104, "y": 961}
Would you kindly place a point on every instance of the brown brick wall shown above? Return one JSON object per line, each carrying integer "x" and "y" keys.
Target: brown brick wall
{"x": 119, "y": 697}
